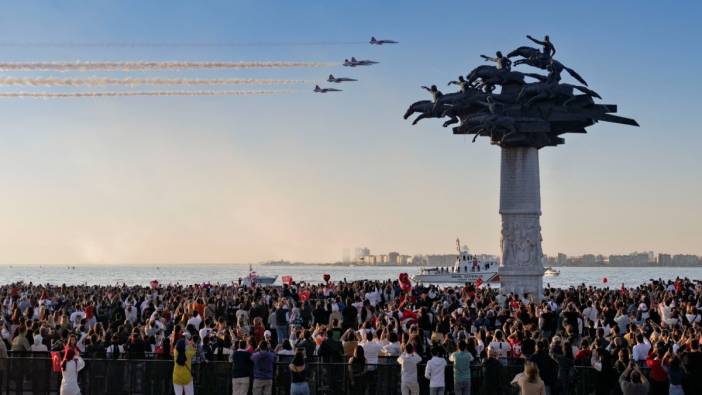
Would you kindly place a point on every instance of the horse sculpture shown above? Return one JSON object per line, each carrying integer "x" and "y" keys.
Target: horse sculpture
{"x": 491, "y": 75}
{"x": 546, "y": 90}
{"x": 519, "y": 113}
{"x": 446, "y": 103}
{"x": 535, "y": 58}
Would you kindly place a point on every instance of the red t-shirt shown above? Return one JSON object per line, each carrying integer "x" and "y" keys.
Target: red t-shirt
{"x": 583, "y": 355}
{"x": 516, "y": 347}
{"x": 657, "y": 371}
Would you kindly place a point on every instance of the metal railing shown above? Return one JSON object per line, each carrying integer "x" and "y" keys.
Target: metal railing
{"x": 32, "y": 374}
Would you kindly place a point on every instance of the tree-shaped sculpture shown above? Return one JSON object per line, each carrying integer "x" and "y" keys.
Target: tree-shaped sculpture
{"x": 521, "y": 117}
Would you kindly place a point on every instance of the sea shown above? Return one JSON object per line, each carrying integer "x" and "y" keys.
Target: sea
{"x": 106, "y": 274}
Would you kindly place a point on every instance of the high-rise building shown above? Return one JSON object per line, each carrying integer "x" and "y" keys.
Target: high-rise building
{"x": 685, "y": 260}
{"x": 360, "y": 253}
{"x": 393, "y": 258}
{"x": 665, "y": 259}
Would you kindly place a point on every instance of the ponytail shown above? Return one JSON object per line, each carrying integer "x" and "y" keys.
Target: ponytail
{"x": 181, "y": 358}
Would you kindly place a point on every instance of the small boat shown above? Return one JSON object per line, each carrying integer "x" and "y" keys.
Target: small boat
{"x": 467, "y": 269}
{"x": 254, "y": 279}
{"x": 551, "y": 272}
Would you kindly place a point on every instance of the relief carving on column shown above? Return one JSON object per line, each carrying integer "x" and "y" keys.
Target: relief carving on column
{"x": 521, "y": 241}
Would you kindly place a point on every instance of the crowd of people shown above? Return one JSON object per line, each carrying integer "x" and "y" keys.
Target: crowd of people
{"x": 643, "y": 340}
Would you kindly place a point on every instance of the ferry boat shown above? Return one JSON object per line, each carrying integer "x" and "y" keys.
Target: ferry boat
{"x": 551, "y": 272}
{"x": 254, "y": 278}
{"x": 467, "y": 269}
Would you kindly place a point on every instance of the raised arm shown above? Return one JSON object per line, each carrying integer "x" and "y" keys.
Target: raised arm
{"x": 535, "y": 40}
{"x": 488, "y": 58}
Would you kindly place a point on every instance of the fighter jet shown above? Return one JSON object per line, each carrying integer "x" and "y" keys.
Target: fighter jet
{"x": 339, "y": 79}
{"x": 373, "y": 41}
{"x": 317, "y": 89}
{"x": 354, "y": 62}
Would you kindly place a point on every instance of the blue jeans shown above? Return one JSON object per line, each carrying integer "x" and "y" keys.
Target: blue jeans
{"x": 436, "y": 390}
{"x": 283, "y": 333}
{"x": 299, "y": 389}
{"x": 461, "y": 387}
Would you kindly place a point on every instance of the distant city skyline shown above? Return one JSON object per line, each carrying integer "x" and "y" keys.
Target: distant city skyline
{"x": 363, "y": 255}
{"x": 301, "y": 176}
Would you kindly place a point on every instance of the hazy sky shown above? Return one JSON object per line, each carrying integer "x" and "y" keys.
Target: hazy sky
{"x": 303, "y": 176}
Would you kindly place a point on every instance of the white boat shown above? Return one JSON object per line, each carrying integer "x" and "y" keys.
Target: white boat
{"x": 254, "y": 279}
{"x": 551, "y": 272}
{"x": 467, "y": 269}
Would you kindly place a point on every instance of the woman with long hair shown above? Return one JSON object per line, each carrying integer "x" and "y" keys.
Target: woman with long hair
{"x": 357, "y": 372}
{"x": 70, "y": 366}
{"x": 182, "y": 368}
{"x": 529, "y": 382}
{"x": 298, "y": 375}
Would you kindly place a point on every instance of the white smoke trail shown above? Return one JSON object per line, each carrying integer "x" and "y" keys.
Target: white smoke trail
{"x": 103, "y": 81}
{"x": 193, "y": 44}
{"x": 59, "y": 95}
{"x": 158, "y": 65}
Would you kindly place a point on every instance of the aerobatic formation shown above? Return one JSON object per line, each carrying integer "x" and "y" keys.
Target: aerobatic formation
{"x": 520, "y": 113}
{"x": 353, "y": 62}
{"x": 106, "y": 66}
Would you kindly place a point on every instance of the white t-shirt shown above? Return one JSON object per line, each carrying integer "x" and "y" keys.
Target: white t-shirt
{"x": 435, "y": 372}
{"x": 500, "y": 349}
{"x": 195, "y": 321}
{"x": 204, "y": 332}
{"x": 640, "y": 351}
{"x": 372, "y": 351}
{"x": 76, "y": 316}
{"x": 408, "y": 366}
{"x": 590, "y": 313}
{"x": 392, "y": 349}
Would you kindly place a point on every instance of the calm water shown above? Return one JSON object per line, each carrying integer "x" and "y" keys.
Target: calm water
{"x": 189, "y": 274}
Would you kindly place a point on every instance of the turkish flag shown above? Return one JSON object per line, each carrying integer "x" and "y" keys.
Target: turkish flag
{"x": 304, "y": 295}
{"x": 479, "y": 282}
{"x": 286, "y": 280}
{"x": 56, "y": 361}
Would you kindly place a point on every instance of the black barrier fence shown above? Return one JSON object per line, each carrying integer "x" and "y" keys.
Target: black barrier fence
{"x": 34, "y": 375}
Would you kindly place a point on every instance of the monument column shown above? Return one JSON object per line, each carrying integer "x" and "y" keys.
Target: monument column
{"x": 522, "y": 118}
{"x": 521, "y": 269}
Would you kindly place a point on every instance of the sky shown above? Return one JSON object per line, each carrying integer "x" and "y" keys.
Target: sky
{"x": 303, "y": 176}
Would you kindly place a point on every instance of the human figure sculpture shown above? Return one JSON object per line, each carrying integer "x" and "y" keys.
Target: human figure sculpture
{"x": 503, "y": 62}
{"x": 435, "y": 92}
{"x": 491, "y": 105}
{"x": 497, "y": 102}
{"x": 548, "y": 49}
{"x": 463, "y": 85}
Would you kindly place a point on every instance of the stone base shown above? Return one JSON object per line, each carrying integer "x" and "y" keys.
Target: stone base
{"x": 519, "y": 284}
{"x": 521, "y": 269}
